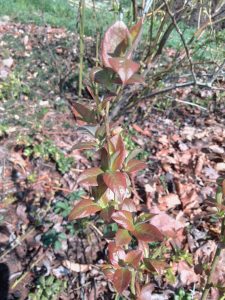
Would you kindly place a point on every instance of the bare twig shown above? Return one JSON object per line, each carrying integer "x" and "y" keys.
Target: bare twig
{"x": 182, "y": 39}
{"x": 81, "y": 9}
{"x": 217, "y": 73}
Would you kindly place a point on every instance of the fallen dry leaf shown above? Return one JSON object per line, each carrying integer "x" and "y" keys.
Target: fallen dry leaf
{"x": 75, "y": 267}
{"x": 169, "y": 201}
{"x": 186, "y": 273}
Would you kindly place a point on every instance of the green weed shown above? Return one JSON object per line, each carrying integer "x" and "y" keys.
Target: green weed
{"x": 48, "y": 151}
{"x": 53, "y": 238}
{"x": 48, "y": 288}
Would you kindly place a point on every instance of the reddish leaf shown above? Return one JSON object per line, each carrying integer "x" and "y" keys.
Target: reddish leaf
{"x": 133, "y": 258}
{"x": 115, "y": 42}
{"x": 85, "y": 145}
{"x": 116, "y": 253}
{"x": 143, "y": 247}
{"x": 125, "y": 68}
{"x": 89, "y": 176}
{"x": 147, "y": 233}
{"x": 119, "y": 159}
{"x": 108, "y": 272}
{"x": 124, "y": 219}
{"x": 122, "y": 237}
{"x": 121, "y": 279}
{"x": 86, "y": 114}
{"x": 155, "y": 266}
{"x": 136, "y": 78}
{"x": 117, "y": 183}
{"x": 128, "y": 204}
{"x": 135, "y": 165}
{"x": 83, "y": 209}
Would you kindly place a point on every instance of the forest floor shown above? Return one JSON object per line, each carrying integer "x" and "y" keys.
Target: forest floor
{"x": 183, "y": 145}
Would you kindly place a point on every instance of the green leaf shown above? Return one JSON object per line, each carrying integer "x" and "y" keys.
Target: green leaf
{"x": 147, "y": 233}
{"x": 85, "y": 146}
{"x": 124, "y": 219}
{"x": 135, "y": 165}
{"x": 121, "y": 279}
{"x": 122, "y": 237}
{"x": 83, "y": 209}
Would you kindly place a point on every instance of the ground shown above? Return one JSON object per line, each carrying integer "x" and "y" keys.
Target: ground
{"x": 184, "y": 149}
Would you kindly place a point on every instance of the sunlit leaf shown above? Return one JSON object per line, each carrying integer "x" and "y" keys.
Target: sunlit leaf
{"x": 125, "y": 68}
{"x": 128, "y": 204}
{"x": 135, "y": 165}
{"x": 124, "y": 219}
{"x": 118, "y": 161}
{"x": 117, "y": 183}
{"x": 136, "y": 78}
{"x": 84, "y": 208}
{"x": 115, "y": 42}
{"x": 121, "y": 279}
{"x": 90, "y": 176}
{"x": 147, "y": 233}
{"x": 122, "y": 237}
{"x": 116, "y": 253}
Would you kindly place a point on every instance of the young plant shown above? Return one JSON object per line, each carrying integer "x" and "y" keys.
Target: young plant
{"x": 48, "y": 288}
{"x": 220, "y": 204}
{"x": 110, "y": 181}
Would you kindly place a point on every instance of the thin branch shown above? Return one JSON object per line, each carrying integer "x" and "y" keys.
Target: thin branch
{"x": 217, "y": 73}
{"x": 182, "y": 39}
{"x": 191, "y": 103}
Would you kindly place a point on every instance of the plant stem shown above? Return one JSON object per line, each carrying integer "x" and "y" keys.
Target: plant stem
{"x": 82, "y": 5}
{"x": 107, "y": 121}
{"x": 214, "y": 264}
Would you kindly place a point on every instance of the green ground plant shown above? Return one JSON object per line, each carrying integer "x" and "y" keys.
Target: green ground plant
{"x": 48, "y": 151}
{"x": 48, "y": 288}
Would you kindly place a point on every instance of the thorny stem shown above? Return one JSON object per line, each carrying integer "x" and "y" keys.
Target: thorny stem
{"x": 214, "y": 264}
